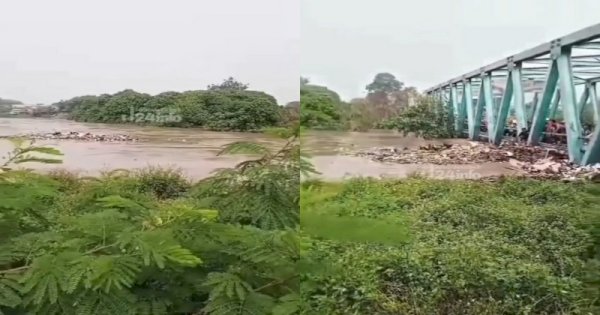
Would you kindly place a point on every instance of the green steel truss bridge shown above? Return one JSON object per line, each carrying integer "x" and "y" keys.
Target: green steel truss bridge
{"x": 567, "y": 72}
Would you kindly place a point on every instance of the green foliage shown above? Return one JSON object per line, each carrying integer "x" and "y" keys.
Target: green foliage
{"x": 322, "y": 108}
{"x": 319, "y": 107}
{"x": 229, "y": 84}
{"x": 264, "y": 191}
{"x": 26, "y": 151}
{"x": 139, "y": 242}
{"x": 512, "y": 247}
{"x": 216, "y": 109}
{"x": 164, "y": 183}
{"x": 384, "y": 82}
{"x": 428, "y": 119}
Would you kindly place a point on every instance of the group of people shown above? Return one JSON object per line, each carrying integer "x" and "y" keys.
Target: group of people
{"x": 554, "y": 133}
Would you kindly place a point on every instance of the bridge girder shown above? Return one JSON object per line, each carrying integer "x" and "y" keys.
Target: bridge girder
{"x": 568, "y": 69}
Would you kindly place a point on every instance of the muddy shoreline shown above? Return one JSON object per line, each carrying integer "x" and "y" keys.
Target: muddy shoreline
{"x": 529, "y": 161}
{"x": 74, "y": 135}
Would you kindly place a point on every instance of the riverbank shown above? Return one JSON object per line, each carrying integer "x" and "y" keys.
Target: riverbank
{"x": 194, "y": 151}
{"x": 78, "y": 136}
{"x": 457, "y": 247}
{"x": 531, "y": 161}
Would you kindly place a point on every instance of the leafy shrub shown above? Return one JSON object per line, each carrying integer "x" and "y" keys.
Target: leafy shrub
{"x": 320, "y": 107}
{"x": 263, "y": 192}
{"x": 512, "y": 247}
{"x": 164, "y": 183}
{"x": 110, "y": 246}
{"x": 427, "y": 119}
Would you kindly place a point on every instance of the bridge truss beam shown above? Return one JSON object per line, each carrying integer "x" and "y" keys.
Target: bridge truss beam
{"x": 567, "y": 68}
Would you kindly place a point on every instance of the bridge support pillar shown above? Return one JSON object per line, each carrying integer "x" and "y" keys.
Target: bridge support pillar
{"x": 538, "y": 124}
{"x": 569, "y": 105}
{"x": 502, "y": 113}
{"x": 467, "y": 105}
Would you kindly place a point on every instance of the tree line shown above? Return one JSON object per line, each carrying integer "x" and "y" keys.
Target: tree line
{"x": 228, "y": 106}
{"x": 323, "y": 108}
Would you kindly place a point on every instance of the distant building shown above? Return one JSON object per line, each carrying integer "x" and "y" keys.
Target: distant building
{"x": 19, "y": 109}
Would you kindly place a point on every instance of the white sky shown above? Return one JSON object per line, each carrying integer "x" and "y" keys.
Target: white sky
{"x": 425, "y": 42}
{"x": 52, "y": 50}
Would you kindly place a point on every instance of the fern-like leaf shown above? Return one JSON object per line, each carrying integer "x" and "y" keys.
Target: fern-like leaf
{"x": 9, "y": 292}
{"x": 244, "y": 147}
{"x": 227, "y": 285}
{"x": 288, "y": 305}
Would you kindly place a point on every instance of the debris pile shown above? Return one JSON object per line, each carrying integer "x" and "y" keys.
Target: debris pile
{"x": 80, "y": 136}
{"x": 532, "y": 161}
{"x": 471, "y": 153}
{"x": 549, "y": 168}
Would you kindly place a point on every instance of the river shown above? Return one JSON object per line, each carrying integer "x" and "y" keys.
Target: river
{"x": 194, "y": 151}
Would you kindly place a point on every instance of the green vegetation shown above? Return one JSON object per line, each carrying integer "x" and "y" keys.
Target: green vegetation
{"x": 214, "y": 110}
{"x": 150, "y": 241}
{"x": 451, "y": 247}
{"x": 427, "y": 119}
{"x": 322, "y": 108}
{"x": 225, "y": 107}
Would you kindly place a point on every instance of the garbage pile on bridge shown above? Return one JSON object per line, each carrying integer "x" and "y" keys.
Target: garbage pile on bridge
{"x": 80, "y": 136}
{"x": 530, "y": 161}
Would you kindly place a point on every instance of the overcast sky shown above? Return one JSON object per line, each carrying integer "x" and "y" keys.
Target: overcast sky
{"x": 425, "y": 42}
{"x": 52, "y": 50}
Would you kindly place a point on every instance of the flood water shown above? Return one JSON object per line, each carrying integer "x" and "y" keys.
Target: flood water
{"x": 329, "y": 154}
{"x": 194, "y": 151}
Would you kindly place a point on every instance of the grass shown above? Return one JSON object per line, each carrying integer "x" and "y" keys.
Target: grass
{"x": 422, "y": 246}
{"x": 320, "y": 217}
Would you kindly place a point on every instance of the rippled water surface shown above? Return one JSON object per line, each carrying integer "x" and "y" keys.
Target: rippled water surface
{"x": 194, "y": 150}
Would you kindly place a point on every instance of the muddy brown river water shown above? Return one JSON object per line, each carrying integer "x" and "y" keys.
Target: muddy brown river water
{"x": 194, "y": 151}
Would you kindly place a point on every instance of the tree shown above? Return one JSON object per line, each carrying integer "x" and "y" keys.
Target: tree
{"x": 384, "y": 82}
{"x": 293, "y": 104}
{"x": 361, "y": 115}
{"x": 229, "y": 84}
{"x": 427, "y": 119}
{"x": 388, "y": 95}
{"x": 4, "y": 101}
{"x": 320, "y": 107}
{"x": 290, "y": 113}
{"x": 220, "y": 109}
{"x": 122, "y": 104}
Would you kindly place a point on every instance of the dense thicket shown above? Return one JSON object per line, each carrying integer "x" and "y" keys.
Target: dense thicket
{"x": 320, "y": 108}
{"x": 215, "y": 109}
{"x": 150, "y": 241}
{"x": 421, "y": 246}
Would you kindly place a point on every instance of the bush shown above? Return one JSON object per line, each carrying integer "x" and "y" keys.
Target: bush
{"x": 164, "y": 183}
{"x": 512, "y": 247}
{"x": 130, "y": 243}
{"x": 427, "y": 119}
